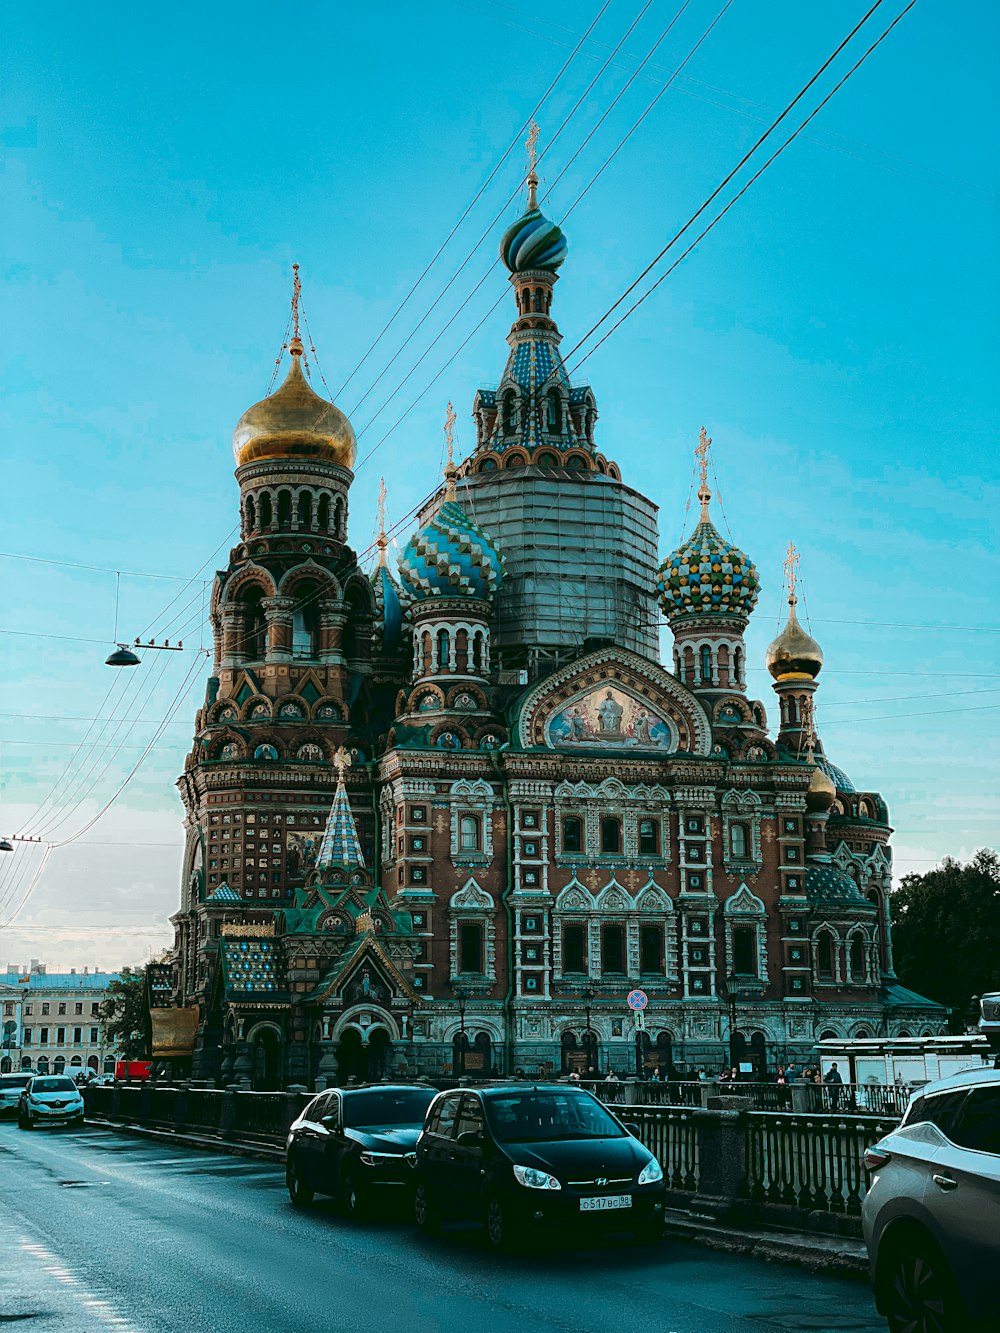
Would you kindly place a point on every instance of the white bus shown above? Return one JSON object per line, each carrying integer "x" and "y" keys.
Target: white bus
{"x": 904, "y": 1061}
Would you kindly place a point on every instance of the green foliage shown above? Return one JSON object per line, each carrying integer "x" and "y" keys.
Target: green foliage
{"x": 946, "y": 931}
{"x": 125, "y": 1014}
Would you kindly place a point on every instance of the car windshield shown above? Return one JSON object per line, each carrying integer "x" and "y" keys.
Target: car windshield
{"x": 14, "y": 1080}
{"x": 402, "y": 1107}
{"x": 53, "y": 1085}
{"x": 541, "y": 1117}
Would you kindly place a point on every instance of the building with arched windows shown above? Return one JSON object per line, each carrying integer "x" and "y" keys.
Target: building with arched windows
{"x": 446, "y": 819}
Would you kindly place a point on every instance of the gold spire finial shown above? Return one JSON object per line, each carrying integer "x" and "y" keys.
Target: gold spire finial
{"x": 531, "y": 143}
{"x": 791, "y": 572}
{"x": 295, "y": 346}
{"x": 381, "y": 541}
{"x": 449, "y": 467}
{"x": 809, "y": 729}
{"x": 701, "y": 453}
{"x": 341, "y": 761}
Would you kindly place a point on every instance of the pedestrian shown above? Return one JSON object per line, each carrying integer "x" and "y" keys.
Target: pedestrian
{"x": 574, "y": 1077}
{"x": 780, "y": 1077}
{"x": 611, "y": 1077}
{"x": 791, "y": 1073}
{"x": 836, "y": 1082}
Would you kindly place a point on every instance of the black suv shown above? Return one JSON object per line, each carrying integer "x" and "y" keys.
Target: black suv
{"x": 356, "y": 1144}
{"x": 521, "y": 1158}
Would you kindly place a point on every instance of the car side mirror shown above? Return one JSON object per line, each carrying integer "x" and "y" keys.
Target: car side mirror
{"x": 472, "y": 1138}
{"x": 632, "y": 1128}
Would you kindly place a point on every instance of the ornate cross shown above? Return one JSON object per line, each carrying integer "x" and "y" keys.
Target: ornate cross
{"x": 381, "y": 541}
{"x": 701, "y": 453}
{"x": 791, "y": 572}
{"x": 531, "y": 143}
{"x": 341, "y": 761}
{"x": 296, "y": 296}
{"x": 449, "y": 468}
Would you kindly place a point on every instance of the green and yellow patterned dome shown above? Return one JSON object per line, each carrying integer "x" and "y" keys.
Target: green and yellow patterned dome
{"x": 707, "y": 576}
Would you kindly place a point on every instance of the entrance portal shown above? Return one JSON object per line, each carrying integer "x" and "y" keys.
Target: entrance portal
{"x": 364, "y": 1063}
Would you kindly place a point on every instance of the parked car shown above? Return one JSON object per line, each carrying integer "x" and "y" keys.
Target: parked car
{"x": 521, "y": 1159}
{"x": 50, "y": 1099}
{"x": 932, "y": 1212}
{"x": 11, "y": 1087}
{"x": 356, "y": 1144}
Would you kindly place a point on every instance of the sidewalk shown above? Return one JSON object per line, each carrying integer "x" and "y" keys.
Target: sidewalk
{"x": 840, "y": 1255}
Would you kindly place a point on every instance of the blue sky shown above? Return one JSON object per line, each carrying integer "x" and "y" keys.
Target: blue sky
{"x": 836, "y": 333}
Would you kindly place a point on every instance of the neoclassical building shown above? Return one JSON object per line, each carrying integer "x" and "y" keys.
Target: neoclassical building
{"x": 448, "y": 818}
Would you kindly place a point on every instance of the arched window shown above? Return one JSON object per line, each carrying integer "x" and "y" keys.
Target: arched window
{"x": 857, "y": 958}
{"x": 745, "y": 951}
{"x": 470, "y": 946}
{"x": 469, "y": 837}
{"x": 574, "y": 951}
{"x": 305, "y": 511}
{"x": 323, "y": 513}
{"x": 538, "y": 299}
{"x": 284, "y": 509}
{"x": 613, "y": 949}
{"x": 251, "y": 514}
{"x": 824, "y": 953}
{"x": 443, "y": 649}
{"x": 305, "y": 621}
{"x": 738, "y": 841}
{"x": 611, "y": 835}
{"x": 737, "y": 666}
{"x": 651, "y": 949}
{"x": 509, "y": 412}
{"x": 553, "y": 412}
{"x": 477, "y": 652}
{"x": 266, "y": 516}
{"x": 254, "y": 625}
{"x": 572, "y": 834}
{"x": 705, "y": 657}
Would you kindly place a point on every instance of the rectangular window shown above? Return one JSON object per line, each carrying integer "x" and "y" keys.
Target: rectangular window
{"x": 45, "y": 1008}
{"x": 468, "y": 833}
{"x": 27, "y": 1010}
{"x": 613, "y": 939}
{"x": 470, "y": 946}
{"x": 61, "y": 1036}
{"x": 651, "y": 949}
{"x": 572, "y": 834}
{"x": 78, "y": 1008}
{"x": 93, "y": 1036}
{"x": 77, "y": 1036}
{"x": 611, "y": 835}
{"x": 649, "y": 841}
{"x": 574, "y": 952}
{"x": 738, "y": 841}
{"x": 745, "y": 951}
{"x": 27, "y": 1036}
{"x": 44, "y": 1037}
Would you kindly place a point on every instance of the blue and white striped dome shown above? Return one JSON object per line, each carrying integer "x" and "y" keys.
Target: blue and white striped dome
{"x": 533, "y": 242}
{"x": 451, "y": 557}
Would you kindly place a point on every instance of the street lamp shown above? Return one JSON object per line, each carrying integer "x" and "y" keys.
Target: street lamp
{"x": 731, "y": 990}
{"x": 461, "y": 995}
{"x": 588, "y": 1043}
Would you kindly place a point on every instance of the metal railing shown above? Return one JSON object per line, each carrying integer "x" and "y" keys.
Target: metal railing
{"x": 811, "y": 1162}
{"x": 260, "y": 1114}
{"x": 204, "y": 1108}
{"x": 671, "y": 1135}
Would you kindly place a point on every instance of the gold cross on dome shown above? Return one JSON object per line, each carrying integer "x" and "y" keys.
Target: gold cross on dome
{"x": 701, "y": 453}
{"x": 449, "y": 427}
{"x": 791, "y": 572}
{"x": 381, "y": 541}
{"x": 531, "y": 143}
{"x": 342, "y": 760}
{"x": 296, "y": 297}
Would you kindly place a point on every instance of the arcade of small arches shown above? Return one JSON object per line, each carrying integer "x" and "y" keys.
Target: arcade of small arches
{"x": 58, "y": 1065}
{"x": 711, "y": 663}
{"x": 294, "y": 509}
{"x": 305, "y": 617}
{"x": 451, "y": 648}
{"x": 848, "y": 959}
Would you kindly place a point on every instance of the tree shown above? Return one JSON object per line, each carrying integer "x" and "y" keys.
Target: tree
{"x": 946, "y": 931}
{"x": 125, "y": 1014}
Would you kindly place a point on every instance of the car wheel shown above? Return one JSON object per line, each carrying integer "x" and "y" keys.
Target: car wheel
{"x": 299, "y": 1192}
{"x": 425, "y": 1214}
{"x": 918, "y": 1292}
{"x": 352, "y": 1195}
{"x": 498, "y": 1231}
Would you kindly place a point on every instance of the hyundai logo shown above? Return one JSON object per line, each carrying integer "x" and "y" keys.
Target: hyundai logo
{"x": 601, "y": 1180}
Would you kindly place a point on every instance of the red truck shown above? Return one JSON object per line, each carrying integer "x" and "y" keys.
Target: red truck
{"x": 133, "y": 1069}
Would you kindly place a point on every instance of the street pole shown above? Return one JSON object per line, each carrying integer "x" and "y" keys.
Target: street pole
{"x": 588, "y": 996}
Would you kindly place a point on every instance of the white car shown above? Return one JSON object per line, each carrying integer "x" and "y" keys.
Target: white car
{"x": 50, "y": 1099}
{"x": 11, "y": 1087}
{"x": 931, "y": 1216}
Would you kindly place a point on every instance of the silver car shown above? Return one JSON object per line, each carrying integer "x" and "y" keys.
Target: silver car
{"x": 932, "y": 1212}
{"x": 11, "y": 1087}
{"x": 50, "y": 1099}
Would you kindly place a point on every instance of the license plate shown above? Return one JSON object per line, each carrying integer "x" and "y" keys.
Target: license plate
{"x": 600, "y": 1202}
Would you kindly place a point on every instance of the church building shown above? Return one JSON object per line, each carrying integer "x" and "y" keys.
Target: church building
{"x": 445, "y": 819}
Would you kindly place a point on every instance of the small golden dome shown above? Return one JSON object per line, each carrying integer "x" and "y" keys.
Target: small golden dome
{"x": 294, "y": 422}
{"x": 794, "y": 652}
{"x": 821, "y": 793}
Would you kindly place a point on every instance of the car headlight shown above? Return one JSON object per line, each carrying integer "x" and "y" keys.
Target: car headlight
{"x": 379, "y": 1158}
{"x": 534, "y": 1179}
{"x": 651, "y": 1173}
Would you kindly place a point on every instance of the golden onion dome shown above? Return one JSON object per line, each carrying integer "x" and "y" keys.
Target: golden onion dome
{"x": 294, "y": 422}
{"x": 794, "y": 652}
{"x": 821, "y": 793}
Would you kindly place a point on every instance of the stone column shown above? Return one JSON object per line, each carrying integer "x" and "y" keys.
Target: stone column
{"x": 332, "y": 618}
{"x": 722, "y": 1153}
{"x": 232, "y": 625}
{"x": 278, "y": 614}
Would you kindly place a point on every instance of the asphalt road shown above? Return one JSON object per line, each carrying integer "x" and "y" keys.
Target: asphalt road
{"x": 104, "y": 1232}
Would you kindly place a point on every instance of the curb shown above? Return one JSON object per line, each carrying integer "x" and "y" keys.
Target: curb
{"x": 264, "y": 1152}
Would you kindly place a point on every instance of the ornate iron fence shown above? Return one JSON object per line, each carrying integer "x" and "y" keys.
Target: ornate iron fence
{"x": 260, "y": 1114}
{"x": 671, "y": 1135}
{"x": 204, "y": 1108}
{"x": 813, "y": 1162}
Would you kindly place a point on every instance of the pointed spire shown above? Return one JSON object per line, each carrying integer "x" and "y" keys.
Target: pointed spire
{"x": 381, "y": 541}
{"x": 341, "y": 845}
{"x": 449, "y": 468}
{"x": 295, "y": 346}
{"x": 701, "y": 453}
{"x": 531, "y": 143}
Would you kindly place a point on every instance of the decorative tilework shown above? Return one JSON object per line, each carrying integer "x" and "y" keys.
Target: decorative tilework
{"x": 450, "y": 557}
{"x": 341, "y": 845}
{"x": 707, "y": 575}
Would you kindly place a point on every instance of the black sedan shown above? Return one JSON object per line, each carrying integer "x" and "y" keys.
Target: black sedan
{"x": 355, "y": 1144}
{"x": 521, "y": 1159}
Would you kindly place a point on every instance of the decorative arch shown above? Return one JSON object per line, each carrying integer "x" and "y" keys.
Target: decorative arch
{"x": 250, "y": 574}
{"x": 309, "y": 571}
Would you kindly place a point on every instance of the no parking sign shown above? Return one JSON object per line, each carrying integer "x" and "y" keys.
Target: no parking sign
{"x": 637, "y": 1000}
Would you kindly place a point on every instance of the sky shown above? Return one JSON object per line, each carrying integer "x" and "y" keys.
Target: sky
{"x": 836, "y": 332}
